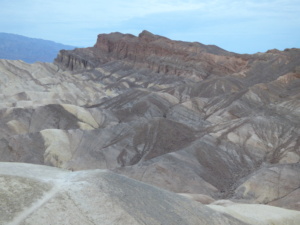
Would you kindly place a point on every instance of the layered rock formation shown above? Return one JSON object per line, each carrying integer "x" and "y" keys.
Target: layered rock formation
{"x": 186, "y": 117}
{"x": 156, "y": 54}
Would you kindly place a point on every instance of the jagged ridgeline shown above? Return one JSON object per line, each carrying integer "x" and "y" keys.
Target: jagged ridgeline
{"x": 220, "y": 128}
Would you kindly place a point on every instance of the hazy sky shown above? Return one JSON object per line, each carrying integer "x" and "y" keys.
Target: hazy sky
{"x": 245, "y": 26}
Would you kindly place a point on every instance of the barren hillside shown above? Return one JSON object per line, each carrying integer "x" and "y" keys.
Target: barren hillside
{"x": 185, "y": 117}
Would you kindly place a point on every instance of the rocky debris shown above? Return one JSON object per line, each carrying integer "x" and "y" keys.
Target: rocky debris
{"x": 214, "y": 125}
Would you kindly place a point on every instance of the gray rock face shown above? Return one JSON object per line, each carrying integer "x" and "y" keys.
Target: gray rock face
{"x": 185, "y": 117}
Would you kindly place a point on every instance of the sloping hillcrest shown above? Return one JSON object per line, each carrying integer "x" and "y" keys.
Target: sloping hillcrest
{"x": 214, "y": 126}
{"x": 30, "y": 50}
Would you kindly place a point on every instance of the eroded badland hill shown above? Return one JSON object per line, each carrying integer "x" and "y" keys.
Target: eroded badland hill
{"x": 220, "y": 129}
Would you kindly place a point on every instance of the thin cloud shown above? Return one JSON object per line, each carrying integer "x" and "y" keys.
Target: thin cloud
{"x": 207, "y": 21}
{"x": 89, "y": 10}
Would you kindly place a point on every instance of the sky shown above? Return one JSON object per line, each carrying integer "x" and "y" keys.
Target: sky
{"x": 244, "y": 26}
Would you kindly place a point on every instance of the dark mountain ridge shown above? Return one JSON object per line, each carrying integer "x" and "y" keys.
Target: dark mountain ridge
{"x": 30, "y": 50}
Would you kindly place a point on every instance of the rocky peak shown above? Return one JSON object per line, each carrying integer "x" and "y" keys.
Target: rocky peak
{"x": 156, "y": 54}
{"x": 106, "y": 42}
{"x": 148, "y": 36}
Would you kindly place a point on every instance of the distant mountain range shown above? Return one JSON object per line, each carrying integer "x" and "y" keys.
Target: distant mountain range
{"x": 30, "y": 50}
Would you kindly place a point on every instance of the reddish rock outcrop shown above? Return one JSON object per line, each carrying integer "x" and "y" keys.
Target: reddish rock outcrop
{"x": 156, "y": 54}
